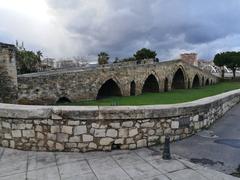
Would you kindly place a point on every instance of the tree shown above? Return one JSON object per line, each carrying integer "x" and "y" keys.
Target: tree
{"x": 145, "y": 54}
{"x": 27, "y": 62}
{"x": 103, "y": 58}
{"x": 219, "y": 60}
{"x": 40, "y": 55}
{"x": 233, "y": 61}
{"x": 228, "y": 59}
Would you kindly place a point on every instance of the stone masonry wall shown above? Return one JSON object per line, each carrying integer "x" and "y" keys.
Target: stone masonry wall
{"x": 80, "y": 129}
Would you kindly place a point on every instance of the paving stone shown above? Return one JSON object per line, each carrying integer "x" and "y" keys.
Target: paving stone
{"x": 128, "y": 159}
{"x": 166, "y": 166}
{"x": 50, "y": 173}
{"x": 141, "y": 171}
{"x": 74, "y": 168}
{"x": 186, "y": 174}
{"x": 21, "y": 176}
{"x": 90, "y": 176}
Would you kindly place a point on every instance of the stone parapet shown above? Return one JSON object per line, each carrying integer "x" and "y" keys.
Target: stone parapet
{"x": 87, "y": 128}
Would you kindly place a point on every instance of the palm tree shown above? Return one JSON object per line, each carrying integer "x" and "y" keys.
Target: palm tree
{"x": 103, "y": 58}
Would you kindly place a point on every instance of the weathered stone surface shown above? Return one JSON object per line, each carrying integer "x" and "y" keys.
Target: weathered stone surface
{"x": 112, "y": 133}
{"x": 28, "y": 133}
{"x": 92, "y": 145}
{"x": 133, "y": 132}
{"x": 141, "y": 143}
{"x": 105, "y": 141}
{"x": 61, "y": 137}
{"x": 123, "y": 133}
{"x": 80, "y": 130}
{"x": 16, "y": 133}
{"x": 100, "y": 133}
{"x": 87, "y": 138}
{"x": 67, "y": 129}
{"x": 127, "y": 124}
{"x": 175, "y": 125}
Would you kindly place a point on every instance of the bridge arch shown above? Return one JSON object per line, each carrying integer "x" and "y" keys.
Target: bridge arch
{"x": 133, "y": 88}
{"x": 150, "y": 84}
{"x": 63, "y": 100}
{"x": 207, "y": 82}
{"x": 203, "y": 81}
{"x": 196, "y": 81}
{"x": 179, "y": 79}
{"x": 109, "y": 88}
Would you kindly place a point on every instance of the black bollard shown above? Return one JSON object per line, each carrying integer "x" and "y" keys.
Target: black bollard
{"x": 166, "y": 149}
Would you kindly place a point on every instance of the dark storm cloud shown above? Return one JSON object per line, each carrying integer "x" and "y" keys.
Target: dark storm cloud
{"x": 167, "y": 26}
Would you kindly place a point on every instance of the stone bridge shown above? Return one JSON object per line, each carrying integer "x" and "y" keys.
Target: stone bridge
{"x": 100, "y": 82}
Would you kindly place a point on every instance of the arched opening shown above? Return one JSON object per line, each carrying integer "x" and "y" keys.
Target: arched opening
{"x": 166, "y": 85}
{"x": 207, "y": 82}
{"x": 63, "y": 100}
{"x": 196, "y": 82}
{"x": 133, "y": 88}
{"x": 178, "y": 80}
{"x": 203, "y": 81}
{"x": 150, "y": 84}
{"x": 108, "y": 89}
{"x": 211, "y": 82}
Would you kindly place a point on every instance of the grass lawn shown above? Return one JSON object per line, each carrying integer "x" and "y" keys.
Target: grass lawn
{"x": 172, "y": 97}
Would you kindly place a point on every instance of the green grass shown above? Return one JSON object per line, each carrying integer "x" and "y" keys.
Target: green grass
{"x": 172, "y": 97}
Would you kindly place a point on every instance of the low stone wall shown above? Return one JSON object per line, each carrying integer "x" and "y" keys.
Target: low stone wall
{"x": 59, "y": 128}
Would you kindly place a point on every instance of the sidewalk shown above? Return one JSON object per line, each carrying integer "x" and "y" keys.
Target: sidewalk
{"x": 138, "y": 164}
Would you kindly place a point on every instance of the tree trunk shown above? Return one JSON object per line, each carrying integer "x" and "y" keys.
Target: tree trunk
{"x": 222, "y": 70}
{"x": 234, "y": 73}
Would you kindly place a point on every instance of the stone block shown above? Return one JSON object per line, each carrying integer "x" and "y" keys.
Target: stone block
{"x": 195, "y": 118}
{"x": 119, "y": 141}
{"x": 38, "y": 128}
{"x": 51, "y": 136}
{"x": 132, "y": 146}
{"x": 40, "y": 135}
{"x": 87, "y": 138}
{"x": 123, "y": 133}
{"x": 127, "y": 124}
{"x": 61, "y": 137}
{"x": 74, "y": 139}
{"x": 92, "y": 145}
{"x": 73, "y": 123}
{"x": 142, "y": 143}
{"x": 16, "y": 133}
{"x": 133, "y": 132}
{"x": 59, "y": 147}
{"x": 100, "y": 133}
{"x": 105, "y": 141}
{"x": 67, "y": 129}
{"x": 28, "y": 133}
{"x": 112, "y": 133}
{"x": 7, "y": 136}
{"x": 153, "y": 138}
{"x": 55, "y": 129}
{"x": 175, "y": 125}
{"x": 50, "y": 144}
{"x": 5, "y": 143}
{"x": 80, "y": 130}
{"x": 6, "y": 125}
{"x": 147, "y": 124}
{"x": 115, "y": 125}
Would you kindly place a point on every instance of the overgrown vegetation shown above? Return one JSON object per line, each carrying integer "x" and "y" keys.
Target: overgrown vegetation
{"x": 28, "y": 61}
{"x": 172, "y": 97}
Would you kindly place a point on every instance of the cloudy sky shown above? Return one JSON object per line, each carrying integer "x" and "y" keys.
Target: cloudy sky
{"x": 66, "y": 28}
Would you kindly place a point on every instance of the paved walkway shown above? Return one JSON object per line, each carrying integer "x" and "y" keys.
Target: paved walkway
{"x": 139, "y": 164}
{"x": 218, "y": 147}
